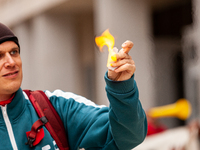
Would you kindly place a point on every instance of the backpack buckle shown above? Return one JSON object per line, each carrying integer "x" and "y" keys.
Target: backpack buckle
{"x": 44, "y": 120}
{"x": 30, "y": 142}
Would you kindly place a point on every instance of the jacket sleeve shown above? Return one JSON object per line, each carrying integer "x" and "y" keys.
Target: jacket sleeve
{"x": 120, "y": 126}
{"x": 127, "y": 117}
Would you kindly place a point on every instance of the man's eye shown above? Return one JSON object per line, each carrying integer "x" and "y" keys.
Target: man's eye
{"x": 14, "y": 52}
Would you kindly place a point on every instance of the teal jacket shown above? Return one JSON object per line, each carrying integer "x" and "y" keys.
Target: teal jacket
{"x": 121, "y": 126}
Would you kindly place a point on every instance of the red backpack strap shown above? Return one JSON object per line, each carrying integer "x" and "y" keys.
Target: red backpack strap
{"x": 54, "y": 124}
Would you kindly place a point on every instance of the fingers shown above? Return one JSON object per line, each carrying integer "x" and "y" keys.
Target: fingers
{"x": 125, "y": 59}
{"x": 126, "y": 46}
{"x": 125, "y": 65}
{"x": 122, "y": 55}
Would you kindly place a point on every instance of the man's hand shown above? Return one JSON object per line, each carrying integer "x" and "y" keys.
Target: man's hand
{"x": 125, "y": 65}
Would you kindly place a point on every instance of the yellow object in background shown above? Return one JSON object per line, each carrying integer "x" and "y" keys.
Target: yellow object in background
{"x": 181, "y": 109}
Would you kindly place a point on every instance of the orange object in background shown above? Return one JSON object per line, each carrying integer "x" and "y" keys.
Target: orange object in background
{"x": 106, "y": 39}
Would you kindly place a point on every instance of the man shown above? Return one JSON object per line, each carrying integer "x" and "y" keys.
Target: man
{"x": 121, "y": 126}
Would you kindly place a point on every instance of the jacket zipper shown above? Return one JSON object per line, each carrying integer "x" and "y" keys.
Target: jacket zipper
{"x": 9, "y": 127}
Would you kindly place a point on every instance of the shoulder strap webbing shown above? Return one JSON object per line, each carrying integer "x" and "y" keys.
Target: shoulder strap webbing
{"x": 54, "y": 124}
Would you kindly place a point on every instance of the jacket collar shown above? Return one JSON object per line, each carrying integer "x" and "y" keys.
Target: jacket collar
{"x": 17, "y": 106}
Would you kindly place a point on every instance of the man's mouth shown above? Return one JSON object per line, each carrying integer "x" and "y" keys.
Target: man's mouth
{"x": 10, "y": 74}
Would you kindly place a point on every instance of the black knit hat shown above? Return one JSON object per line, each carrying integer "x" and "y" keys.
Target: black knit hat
{"x": 7, "y": 35}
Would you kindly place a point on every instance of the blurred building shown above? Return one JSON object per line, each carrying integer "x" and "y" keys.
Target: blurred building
{"x": 58, "y": 49}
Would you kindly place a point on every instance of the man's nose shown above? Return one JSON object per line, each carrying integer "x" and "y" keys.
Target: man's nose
{"x": 9, "y": 62}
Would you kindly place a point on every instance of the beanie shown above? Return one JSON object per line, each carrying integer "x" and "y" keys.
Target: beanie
{"x": 7, "y": 35}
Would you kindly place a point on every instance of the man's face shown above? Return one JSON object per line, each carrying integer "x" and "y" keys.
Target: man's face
{"x": 10, "y": 69}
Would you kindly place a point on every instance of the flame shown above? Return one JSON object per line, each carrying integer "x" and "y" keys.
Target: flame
{"x": 106, "y": 39}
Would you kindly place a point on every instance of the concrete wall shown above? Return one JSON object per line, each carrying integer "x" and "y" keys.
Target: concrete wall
{"x": 51, "y": 54}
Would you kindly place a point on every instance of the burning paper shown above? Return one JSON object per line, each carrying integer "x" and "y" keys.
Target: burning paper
{"x": 107, "y": 39}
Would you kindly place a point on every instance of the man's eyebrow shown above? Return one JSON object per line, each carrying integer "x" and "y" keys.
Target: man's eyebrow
{"x": 16, "y": 47}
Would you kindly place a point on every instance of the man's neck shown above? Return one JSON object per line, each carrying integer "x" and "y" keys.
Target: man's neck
{"x": 7, "y": 101}
{"x": 5, "y": 97}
